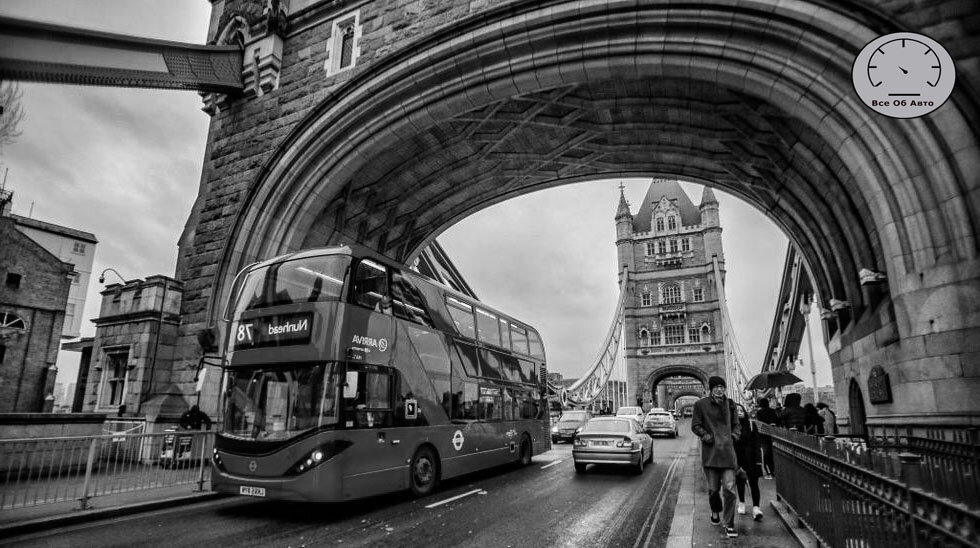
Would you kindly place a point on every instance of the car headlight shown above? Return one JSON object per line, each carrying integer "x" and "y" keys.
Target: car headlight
{"x": 554, "y": 429}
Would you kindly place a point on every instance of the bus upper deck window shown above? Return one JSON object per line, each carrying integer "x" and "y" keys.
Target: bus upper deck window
{"x": 371, "y": 285}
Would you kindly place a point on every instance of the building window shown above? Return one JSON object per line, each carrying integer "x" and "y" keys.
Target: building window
{"x": 660, "y": 224}
{"x": 673, "y": 246}
{"x": 344, "y": 49}
{"x": 661, "y": 247}
{"x": 78, "y": 248}
{"x": 13, "y": 280}
{"x": 114, "y": 378}
{"x": 695, "y": 334}
{"x": 74, "y": 277}
{"x": 655, "y": 337}
{"x": 671, "y": 223}
{"x": 672, "y": 294}
{"x": 649, "y": 248}
{"x": 646, "y": 299}
{"x": 686, "y": 244}
{"x": 11, "y": 321}
{"x": 698, "y": 295}
{"x": 69, "y": 314}
{"x": 673, "y": 334}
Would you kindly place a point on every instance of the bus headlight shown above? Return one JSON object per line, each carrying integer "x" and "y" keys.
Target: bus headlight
{"x": 318, "y": 456}
{"x": 554, "y": 429}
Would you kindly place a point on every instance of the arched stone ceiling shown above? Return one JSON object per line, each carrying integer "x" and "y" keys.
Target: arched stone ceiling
{"x": 755, "y": 100}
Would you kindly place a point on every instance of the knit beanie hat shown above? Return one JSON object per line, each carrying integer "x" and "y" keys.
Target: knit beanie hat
{"x": 716, "y": 381}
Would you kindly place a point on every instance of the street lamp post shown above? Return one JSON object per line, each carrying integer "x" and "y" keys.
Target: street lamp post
{"x": 805, "y": 310}
{"x": 114, "y": 271}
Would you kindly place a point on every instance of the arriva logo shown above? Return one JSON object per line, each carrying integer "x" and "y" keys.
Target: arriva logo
{"x": 380, "y": 344}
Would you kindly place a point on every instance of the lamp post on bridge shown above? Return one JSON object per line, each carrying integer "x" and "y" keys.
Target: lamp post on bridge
{"x": 805, "y": 310}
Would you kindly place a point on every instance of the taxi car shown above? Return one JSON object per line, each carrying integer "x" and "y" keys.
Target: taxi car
{"x": 612, "y": 440}
{"x": 659, "y": 421}
{"x": 569, "y": 423}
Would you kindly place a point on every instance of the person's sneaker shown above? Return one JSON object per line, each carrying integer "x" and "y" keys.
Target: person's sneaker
{"x": 756, "y": 513}
{"x": 740, "y": 508}
{"x": 730, "y": 531}
{"x": 715, "y": 519}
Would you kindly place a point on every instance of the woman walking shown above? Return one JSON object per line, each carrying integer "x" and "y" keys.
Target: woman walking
{"x": 749, "y": 465}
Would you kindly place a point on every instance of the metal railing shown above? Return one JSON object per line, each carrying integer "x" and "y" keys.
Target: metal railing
{"x": 52, "y": 470}
{"x": 852, "y": 493}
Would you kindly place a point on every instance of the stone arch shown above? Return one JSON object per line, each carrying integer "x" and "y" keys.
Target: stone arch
{"x": 678, "y": 370}
{"x": 673, "y": 399}
{"x": 762, "y": 105}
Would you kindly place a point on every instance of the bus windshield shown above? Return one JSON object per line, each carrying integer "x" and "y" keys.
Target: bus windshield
{"x": 310, "y": 279}
{"x": 280, "y": 403}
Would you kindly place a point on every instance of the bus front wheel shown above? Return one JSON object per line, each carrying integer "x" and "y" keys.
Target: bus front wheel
{"x": 424, "y": 472}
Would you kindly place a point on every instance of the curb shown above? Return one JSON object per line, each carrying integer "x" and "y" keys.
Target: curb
{"x": 800, "y": 532}
{"x": 82, "y": 516}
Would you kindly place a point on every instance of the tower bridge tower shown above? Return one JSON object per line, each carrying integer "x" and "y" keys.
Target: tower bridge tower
{"x": 673, "y": 321}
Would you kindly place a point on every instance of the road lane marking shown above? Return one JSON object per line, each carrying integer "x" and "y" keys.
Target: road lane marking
{"x": 646, "y": 532}
{"x": 457, "y": 497}
{"x": 551, "y": 464}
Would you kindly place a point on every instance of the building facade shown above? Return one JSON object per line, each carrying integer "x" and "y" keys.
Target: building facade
{"x": 131, "y": 364}
{"x": 72, "y": 246}
{"x": 33, "y": 294}
{"x": 673, "y": 317}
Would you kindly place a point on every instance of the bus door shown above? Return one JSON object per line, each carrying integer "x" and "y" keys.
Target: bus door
{"x": 375, "y": 461}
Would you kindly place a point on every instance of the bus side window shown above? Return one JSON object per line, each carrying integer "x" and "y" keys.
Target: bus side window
{"x": 371, "y": 286}
{"x": 407, "y": 301}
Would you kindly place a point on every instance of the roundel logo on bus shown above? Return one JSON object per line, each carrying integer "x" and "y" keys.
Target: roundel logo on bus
{"x": 382, "y": 344}
{"x": 458, "y": 440}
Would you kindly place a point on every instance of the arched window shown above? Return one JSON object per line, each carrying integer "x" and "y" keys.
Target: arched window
{"x": 644, "y": 337}
{"x": 9, "y": 320}
{"x": 672, "y": 294}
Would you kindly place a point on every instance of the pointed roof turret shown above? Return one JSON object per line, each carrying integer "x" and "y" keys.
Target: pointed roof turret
{"x": 708, "y": 197}
{"x": 624, "y": 207}
{"x": 671, "y": 190}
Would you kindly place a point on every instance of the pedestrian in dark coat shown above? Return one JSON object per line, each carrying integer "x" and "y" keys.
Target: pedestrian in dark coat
{"x": 793, "y": 416}
{"x": 715, "y": 421}
{"x": 769, "y": 416}
{"x": 749, "y": 463}
{"x": 813, "y": 422}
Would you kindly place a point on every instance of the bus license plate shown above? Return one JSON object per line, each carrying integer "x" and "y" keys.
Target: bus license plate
{"x": 252, "y": 491}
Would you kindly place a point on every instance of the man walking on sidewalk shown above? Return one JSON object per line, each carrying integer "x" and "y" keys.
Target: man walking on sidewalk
{"x": 716, "y": 423}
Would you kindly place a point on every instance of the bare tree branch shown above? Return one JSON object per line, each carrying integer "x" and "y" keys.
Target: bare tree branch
{"x": 11, "y": 114}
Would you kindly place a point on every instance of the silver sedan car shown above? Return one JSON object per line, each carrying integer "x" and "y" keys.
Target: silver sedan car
{"x": 612, "y": 440}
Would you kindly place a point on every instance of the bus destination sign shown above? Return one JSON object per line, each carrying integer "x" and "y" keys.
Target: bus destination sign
{"x": 281, "y": 330}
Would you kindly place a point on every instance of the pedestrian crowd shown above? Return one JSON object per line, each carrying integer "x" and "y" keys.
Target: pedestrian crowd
{"x": 735, "y": 454}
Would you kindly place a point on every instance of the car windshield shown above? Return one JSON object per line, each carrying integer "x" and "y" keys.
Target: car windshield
{"x": 606, "y": 426}
{"x": 574, "y": 417}
{"x": 629, "y": 411}
{"x": 280, "y": 403}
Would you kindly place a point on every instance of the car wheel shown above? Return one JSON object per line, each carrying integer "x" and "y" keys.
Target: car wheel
{"x": 424, "y": 471}
{"x": 638, "y": 468}
{"x": 580, "y": 468}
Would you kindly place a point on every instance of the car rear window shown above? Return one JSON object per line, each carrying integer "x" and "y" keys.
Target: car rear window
{"x": 606, "y": 426}
{"x": 580, "y": 416}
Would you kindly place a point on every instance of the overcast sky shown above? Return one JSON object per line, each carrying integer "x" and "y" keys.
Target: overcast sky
{"x": 124, "y": 164}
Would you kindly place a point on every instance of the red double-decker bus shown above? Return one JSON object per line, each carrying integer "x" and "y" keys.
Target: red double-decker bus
{"x": 349, "y": 376}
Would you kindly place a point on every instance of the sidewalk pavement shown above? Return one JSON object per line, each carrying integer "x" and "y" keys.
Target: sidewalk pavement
{"x": 29, "y": 519}
{"x": 691, "y": 526}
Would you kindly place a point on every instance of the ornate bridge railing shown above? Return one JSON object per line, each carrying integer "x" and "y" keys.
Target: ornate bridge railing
{"x": 853, "y": 493}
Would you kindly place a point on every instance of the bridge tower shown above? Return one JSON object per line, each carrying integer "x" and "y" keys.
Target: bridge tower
{"x": 673, "y": 321}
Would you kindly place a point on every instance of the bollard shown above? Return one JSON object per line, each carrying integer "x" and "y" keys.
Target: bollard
{"x": 912, "y": 476}
{"x": 88, "y": 473}
{"x": 201, "y": 463}
{"x": 911, "y": 469}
